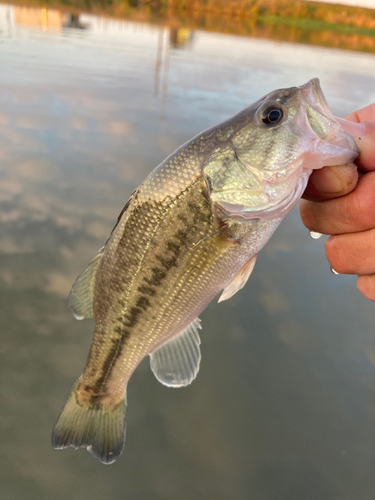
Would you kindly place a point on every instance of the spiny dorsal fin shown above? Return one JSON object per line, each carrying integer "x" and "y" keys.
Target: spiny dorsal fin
{"x": 176, "y": 363}
{"x": 82, "y": 293}
{"x": 239, "y": 280}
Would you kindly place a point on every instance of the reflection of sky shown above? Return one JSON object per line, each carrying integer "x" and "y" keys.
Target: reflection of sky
{"x": 283, "y": 406}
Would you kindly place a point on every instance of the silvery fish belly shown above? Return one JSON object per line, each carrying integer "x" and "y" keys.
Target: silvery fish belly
{"x": 193, "y": 229}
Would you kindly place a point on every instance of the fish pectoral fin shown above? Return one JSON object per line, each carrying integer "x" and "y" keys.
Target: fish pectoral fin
{"x": 81, "y": 295}
{"x": 239, "y": 280}
{"x": 176, "y": 363}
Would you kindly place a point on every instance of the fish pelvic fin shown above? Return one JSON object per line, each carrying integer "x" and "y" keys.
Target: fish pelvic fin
{"x": 98, "y": 427}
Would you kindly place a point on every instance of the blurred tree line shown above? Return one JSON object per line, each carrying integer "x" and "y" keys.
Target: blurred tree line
{"x": 298, "y": 21}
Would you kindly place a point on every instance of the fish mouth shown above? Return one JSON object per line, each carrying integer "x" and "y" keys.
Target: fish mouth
{"x": 334, "y": 145}
{"x": 312, "y": 93}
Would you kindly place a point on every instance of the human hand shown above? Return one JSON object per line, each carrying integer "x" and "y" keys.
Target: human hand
{"x": 340, "y": 201}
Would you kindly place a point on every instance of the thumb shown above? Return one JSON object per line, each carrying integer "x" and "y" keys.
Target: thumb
{"x": 331, "y": 182}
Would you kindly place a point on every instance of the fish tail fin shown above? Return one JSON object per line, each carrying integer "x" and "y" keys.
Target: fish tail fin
{"x": 98, "y": 427}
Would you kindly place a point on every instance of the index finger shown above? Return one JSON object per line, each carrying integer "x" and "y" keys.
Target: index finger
{"x": 366, "y": 114}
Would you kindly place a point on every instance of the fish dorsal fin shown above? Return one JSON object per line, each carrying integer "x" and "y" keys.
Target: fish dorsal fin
{"x": 239, "y": 280}
{"x": 82, "y": 293}
{"x": 176, "y": 363}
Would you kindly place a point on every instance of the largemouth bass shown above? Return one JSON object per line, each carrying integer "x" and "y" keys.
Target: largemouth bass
{"x": 192, "y": 229}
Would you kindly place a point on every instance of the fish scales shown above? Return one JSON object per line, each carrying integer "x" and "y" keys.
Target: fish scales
{"x": 192, "y": 229}
{"x": 133, "y": 241}
{"x": 120, "y": 268}
{"x": 176, "y": 273}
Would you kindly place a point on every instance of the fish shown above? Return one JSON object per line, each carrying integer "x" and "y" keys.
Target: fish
{"x": 191, "y": 230}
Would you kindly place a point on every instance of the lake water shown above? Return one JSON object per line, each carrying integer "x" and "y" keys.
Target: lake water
{"x": 284, "y": 405}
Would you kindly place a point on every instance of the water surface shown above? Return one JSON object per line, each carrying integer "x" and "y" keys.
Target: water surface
{"x": 283, "y": 407}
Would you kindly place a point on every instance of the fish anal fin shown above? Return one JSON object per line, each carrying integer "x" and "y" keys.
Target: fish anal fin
{"x": 176, "y": 363}
{"x": 81, "y": 295}
{"x": 239, "y": 280}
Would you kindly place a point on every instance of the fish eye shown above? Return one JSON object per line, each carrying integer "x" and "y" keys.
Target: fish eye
{"x": 271, "y": 115}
